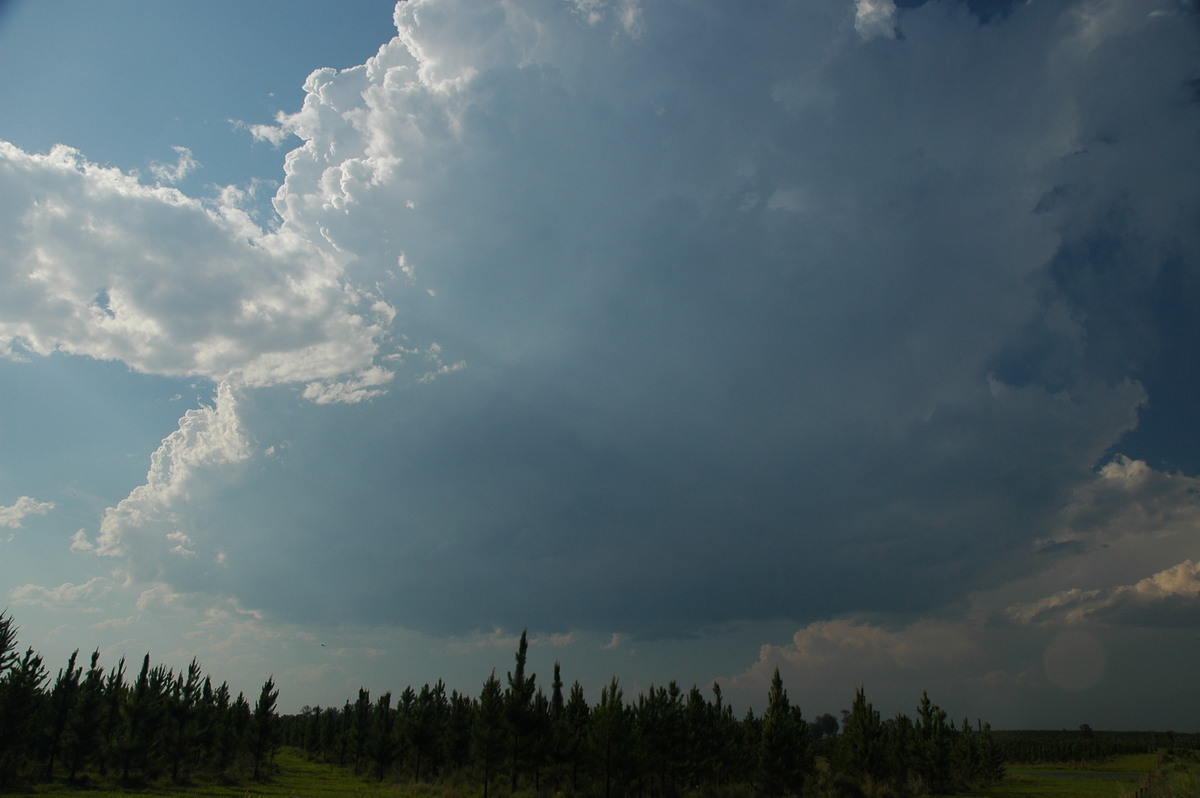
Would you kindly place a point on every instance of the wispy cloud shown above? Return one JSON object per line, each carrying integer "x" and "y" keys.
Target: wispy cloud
{"x": 65, "y": 596}
{"x": 170, "y": 174}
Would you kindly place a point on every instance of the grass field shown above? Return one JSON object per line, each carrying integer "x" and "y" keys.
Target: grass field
{"x": 300, "y": 778}
{"x": 1118, "y": 777}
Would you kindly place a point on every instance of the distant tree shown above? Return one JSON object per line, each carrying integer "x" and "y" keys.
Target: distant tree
{"x": 825, "y": 725}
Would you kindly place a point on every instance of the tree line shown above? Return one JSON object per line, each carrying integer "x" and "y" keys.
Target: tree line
{"x": 89, "y": 721}
{"x": 517, "y": 738}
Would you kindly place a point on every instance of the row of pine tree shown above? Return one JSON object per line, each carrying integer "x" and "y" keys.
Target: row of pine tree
{"x": 666, "y": 742}
{"x": 90, "y": 722}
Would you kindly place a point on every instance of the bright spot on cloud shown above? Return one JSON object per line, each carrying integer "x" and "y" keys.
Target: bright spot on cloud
{"x": 875, "y": 19}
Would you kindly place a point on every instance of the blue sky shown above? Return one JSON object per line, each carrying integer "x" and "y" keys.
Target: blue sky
{"x": 342, "y": 342}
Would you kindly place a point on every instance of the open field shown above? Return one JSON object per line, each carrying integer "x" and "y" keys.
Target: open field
{"x": 1117, "y": 778}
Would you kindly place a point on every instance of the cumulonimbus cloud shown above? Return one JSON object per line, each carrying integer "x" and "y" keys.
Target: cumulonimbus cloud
{"x": 750, "y": 311}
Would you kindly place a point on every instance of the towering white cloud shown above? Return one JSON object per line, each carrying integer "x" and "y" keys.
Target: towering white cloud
{"x": 144, "y": 529}
{"x": 97, "y": 263}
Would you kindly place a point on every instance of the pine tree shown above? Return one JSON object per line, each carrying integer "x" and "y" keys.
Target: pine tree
{"x": 264, "y": 727}
{"x": 518, "y": 700}
{"x": 577, "y": 724}
{"x": 861, "y": 742}
{"x": 489, "y": 731}
{"x": 459, "y": 728}
{"x": 557, "y": 742}
{"x": 114, "y": 700}
{"x": 610, "y": 730}
{"x": 184, "y": 700}
{"x": 61, "y": 709}
{"x": 784, "y": 757}
{"x": 360, "y": 730}
{"x": 933, "y": 746}
{"x": 21, "y": 680}
{"x": 385, "y": 743}
{"x": 84, "y": 728}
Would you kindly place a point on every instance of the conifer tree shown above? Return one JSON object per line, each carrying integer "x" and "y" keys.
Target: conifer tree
{"x": 489, "y": 731}
{"x": 518, "y": 700}
{"x": 557, "y": 742}
{"x": 263, "y": 730}
{"x": 610, "y": 735}
{"x": 783, "y": 753}
{"x": 60, "y": 709}
{"x": 385, "y": 743}
{"x": 577, "y": 723}
{"x": 459, "y": 728}
{"x": 114, "y": 700}
{"x": 861, "y": 742}
{"x": 360, "y": 729}
{"x": 184, "y": 701}
{"x": 21, "y": 680}
{"x": 84, "y": 727}
{"x": 933, "y": 746}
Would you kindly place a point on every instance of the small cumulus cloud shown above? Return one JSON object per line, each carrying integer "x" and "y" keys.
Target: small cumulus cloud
{"x": 275, "y": 135}
{"x": 12, "y": 516}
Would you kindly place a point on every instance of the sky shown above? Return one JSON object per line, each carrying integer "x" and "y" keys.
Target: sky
{"x": 342, "y": 342}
